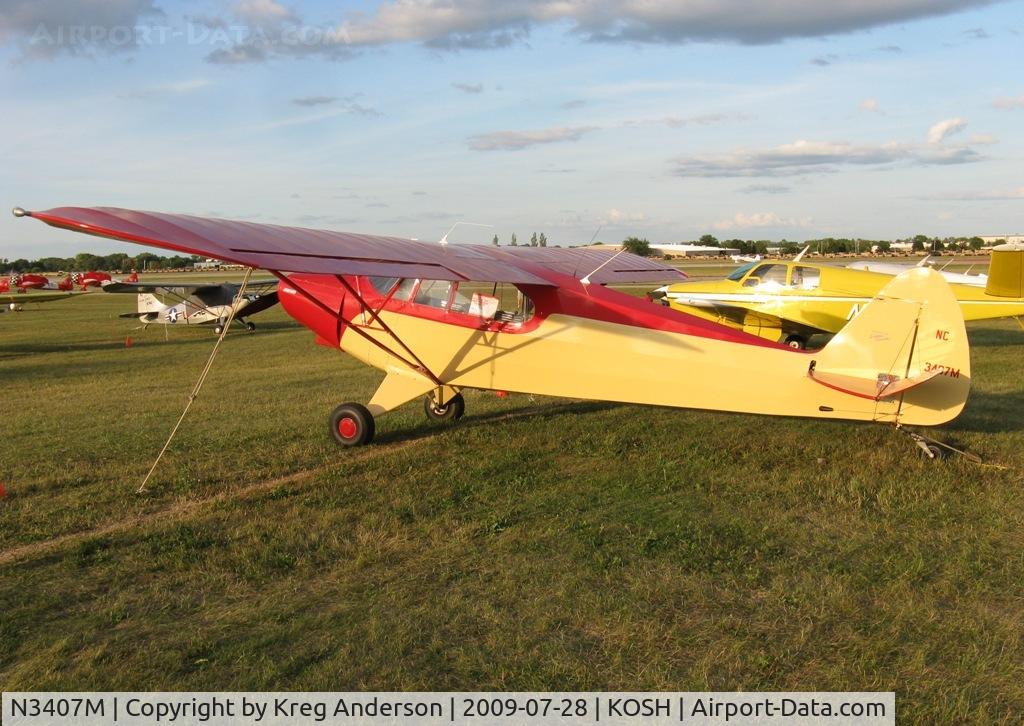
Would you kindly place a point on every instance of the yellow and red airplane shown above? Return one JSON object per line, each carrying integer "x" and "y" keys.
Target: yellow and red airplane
{"x": 433, "y": 318}
{"x": 791, "y": 301}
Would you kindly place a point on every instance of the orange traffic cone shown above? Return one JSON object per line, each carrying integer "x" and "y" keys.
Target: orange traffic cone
{"x": 3, "y": 492}
{"x": 128, "y": 342}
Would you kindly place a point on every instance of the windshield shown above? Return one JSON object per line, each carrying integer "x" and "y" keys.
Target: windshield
{"x": 738, "y": 274}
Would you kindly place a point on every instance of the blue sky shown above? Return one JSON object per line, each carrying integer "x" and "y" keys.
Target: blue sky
{"x": 799, "y": 120}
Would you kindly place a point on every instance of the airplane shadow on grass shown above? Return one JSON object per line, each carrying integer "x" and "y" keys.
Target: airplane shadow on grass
{"x": 991, "y": 413}
{"x": 426, "y": 429}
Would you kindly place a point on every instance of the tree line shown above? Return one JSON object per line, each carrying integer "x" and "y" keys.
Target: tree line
{"x": 85, "y": 261}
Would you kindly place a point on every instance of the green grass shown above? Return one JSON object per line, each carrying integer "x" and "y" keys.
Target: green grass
{"x": 537, "y": 544}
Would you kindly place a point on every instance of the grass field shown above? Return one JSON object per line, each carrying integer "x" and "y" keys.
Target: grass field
{"x": 537, "y": 544}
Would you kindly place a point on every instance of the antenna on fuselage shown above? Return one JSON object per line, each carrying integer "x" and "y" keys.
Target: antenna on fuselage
{"x": 444, "y": 240}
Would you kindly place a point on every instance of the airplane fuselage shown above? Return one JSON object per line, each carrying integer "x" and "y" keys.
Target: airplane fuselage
{"x": 580, "y": 341}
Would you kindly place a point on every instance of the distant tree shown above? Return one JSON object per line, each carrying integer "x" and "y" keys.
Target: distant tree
{"x": 709, "y": 240}
{"x": 533, "y": 240}
{"x": 495, "y": 241}
{"x": 789, "y": 248}
{"x": 975, "y": 243}
{"x": 542, "y": 240}
{"x": 761, "y": 246}
{"x": 917, "y": 245}
{"x": 883, "y": 246}
{"x": 514, "y": 243}
{"x": 637, "y": 246}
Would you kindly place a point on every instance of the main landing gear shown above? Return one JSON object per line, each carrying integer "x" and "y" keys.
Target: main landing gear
{"x": 219, "y": 327}
{"x": 796, "y": 341}
{"x": 352, "y": 424}
{"x": 451, "y": 411}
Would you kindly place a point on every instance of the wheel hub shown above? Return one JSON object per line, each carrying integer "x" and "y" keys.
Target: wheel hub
{"x": 347, "y": 427}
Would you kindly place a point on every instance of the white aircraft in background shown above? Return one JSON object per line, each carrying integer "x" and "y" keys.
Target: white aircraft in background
{"x": 894, "y": 268}
{"x": 197, "y": 303}
{"x": 745, "y": 258}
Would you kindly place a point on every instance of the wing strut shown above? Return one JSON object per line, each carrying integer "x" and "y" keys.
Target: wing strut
{"x": 417, "y": 366}
{"x": 422, "y": 367}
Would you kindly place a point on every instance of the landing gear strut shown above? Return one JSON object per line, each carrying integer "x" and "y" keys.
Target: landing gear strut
{"x": 451, "y": 411}
{"x": 351, "y": 424}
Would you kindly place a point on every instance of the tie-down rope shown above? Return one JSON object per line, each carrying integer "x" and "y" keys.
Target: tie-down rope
{"x": 202, "y": 378}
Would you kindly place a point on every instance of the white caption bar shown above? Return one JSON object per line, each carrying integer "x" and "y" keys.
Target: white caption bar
{"x": 443, "y": 708}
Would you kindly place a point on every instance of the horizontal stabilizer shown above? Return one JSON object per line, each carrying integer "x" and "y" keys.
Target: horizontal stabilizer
{"x": 880, "y": 388}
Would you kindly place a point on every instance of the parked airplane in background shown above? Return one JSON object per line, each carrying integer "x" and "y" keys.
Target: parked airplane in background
{"x": 892, "y": 268}
{"x": 407, "y": 308}
{"x": 791, "y": 301}
{"x": 745, "y": 258}
{"x": 196, "y": 303}
{"x": 35, "y": 281}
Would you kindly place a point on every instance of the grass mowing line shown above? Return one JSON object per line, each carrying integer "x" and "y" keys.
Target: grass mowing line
{"x": 181, "y": 509}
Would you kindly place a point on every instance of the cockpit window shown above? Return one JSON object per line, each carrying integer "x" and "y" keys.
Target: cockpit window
{"x": 434, "y": 293}
{"x": 771, "y": 273}
{"x": 806, "y": 278}
{"x": 383, "y": 285}
{"x": 404, "y": 291}
{"x": 739, "y": 272}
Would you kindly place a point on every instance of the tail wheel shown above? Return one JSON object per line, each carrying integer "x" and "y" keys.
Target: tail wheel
{"x": 351, "y": 424}
{"x": 218, "y": 329}
{"x": 251, "y": 327}
{"x": 451, "y": 411}
{"x": 796, "y": 341}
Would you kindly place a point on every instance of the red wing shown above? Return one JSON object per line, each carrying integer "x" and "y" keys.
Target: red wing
{"x": 297, "y": 249}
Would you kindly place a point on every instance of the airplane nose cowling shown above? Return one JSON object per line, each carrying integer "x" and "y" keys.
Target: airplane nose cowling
{"x": 315, "y": 302}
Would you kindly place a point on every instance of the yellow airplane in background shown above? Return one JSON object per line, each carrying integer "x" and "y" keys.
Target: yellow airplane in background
{"x": 790, "y": 301}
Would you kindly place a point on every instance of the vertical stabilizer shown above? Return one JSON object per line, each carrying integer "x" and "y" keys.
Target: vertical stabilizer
{"x": 149, "y": 303}
{"x": 1006, "y": 271}
{"x": 908, "y": 344}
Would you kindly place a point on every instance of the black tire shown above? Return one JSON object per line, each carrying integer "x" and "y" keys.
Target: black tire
{"x": 218, "y": 329}
{"x": 937, "y": 453}
{"x": 351, "y": 424}
{"x": 251, "y": 327}
{"x": 451, "y": 411}
{"x": 796, "y": 341}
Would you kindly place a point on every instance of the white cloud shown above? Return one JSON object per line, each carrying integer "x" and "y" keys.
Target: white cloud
{"x": 174, "y": 87}
{"x": 741, "y": 220}
{"x": 263, "y": 11}
{"x": 485, "y": 23}
{"x": 1009, "y": 102}
{"x": 984, "y": 139}
{"x": 471, "y": 88}
{"x": 802, "y": 157}
{"x": 615, "y": 216}
{"x": 75, "y": 27}
{"x": 944, "y": 129}
{"x": 869, "y": 104}
{"x": 517, "y": 140}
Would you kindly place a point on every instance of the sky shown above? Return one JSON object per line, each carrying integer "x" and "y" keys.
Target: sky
{"x": 793, "y": 119}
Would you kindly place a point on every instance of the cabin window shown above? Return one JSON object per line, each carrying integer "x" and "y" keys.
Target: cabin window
{"x": 772, "y": 274}
{"x": 806, "y": 278}
{"x": 404, "y": 291}
{"x": 383, "y": 285}
{"x": 434, "y": 293}
{"x": 739, "y": 272}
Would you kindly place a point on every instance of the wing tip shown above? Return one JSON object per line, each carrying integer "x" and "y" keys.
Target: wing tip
{"x": 21, "y": 212}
